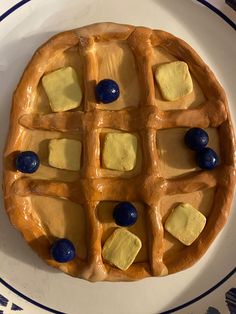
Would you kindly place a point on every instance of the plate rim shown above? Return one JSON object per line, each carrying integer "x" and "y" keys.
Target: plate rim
{"x": 218, "y": 12}
{"x": 172, "y": 310}
{"x": 203, "y": 2}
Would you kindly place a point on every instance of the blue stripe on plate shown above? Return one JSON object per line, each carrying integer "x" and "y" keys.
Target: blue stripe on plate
{"x": 233, "y": 25}
{"x": 218, "y": 12}
{"x": 204, "y": 2}
{"x": 12, "y": 9}
{"x": 7, "y": 285}
{"x": 212, "y": 310}
{"x": 230, "y": 299}
{"x": 201, "y": 295}
{"x": 3, "y": 300}
{"x": 15, "y": 307}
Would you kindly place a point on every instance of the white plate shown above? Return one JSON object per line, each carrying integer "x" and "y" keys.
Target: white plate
{"x": 20, "y": 34}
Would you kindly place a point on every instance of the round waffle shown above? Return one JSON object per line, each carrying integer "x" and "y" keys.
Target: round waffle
{"x": 54, "y": 203}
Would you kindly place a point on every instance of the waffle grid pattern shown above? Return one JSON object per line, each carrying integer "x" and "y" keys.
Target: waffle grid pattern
{"x": 147, "y": 119}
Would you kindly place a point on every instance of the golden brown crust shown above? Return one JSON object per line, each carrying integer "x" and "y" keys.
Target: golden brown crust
{"x": 91, "y": 188}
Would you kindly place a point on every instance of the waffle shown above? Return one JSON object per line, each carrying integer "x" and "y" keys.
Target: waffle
{"x": 91, "y": 190}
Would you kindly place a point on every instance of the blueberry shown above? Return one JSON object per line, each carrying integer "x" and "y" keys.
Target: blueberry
{"x": 27, "y": 162}
{"x": 207, "y": 159}
{"x": 196, "y": 138}
{"x": 107, "y": 91}
{"x": 125, "y": 214}
{"x": 63, "y": 250}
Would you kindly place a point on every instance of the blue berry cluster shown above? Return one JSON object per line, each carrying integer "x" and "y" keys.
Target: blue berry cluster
{"x": 197, "y": 139}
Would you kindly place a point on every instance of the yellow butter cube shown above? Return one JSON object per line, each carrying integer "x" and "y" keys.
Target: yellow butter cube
{"x": 63, "y": 89}
{"x": 120, "y": 151}
{"x": 174, "y": 80}
{"x": 121, "y": 248}
{"x": 185, "y": 223}
{"x": 65, "y": 154}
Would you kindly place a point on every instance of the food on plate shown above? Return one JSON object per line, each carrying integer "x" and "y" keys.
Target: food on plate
{"x": 121, "y": 248}
{"x": 63, "y": 89}
{"x": 185, "y": 223}
{"x": 120, "y": 159}
{"x": 125, "y": 214}
{"x": 107, "y": 91}
{"x": 120, "y": 151}
{"x": 174, "y": 80}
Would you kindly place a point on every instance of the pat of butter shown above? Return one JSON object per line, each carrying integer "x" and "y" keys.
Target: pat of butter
{"x": 185, "y": 223}
{"x": 65, "y": 154}
{"x": 174, "y": 80}
{"x": 121, "y": 248}
{"x": 120, "y": 151}
{"x": 63, "y": 89}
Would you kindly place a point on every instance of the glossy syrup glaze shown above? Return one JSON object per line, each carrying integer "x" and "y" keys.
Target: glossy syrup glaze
{"x": 57, "y": 203}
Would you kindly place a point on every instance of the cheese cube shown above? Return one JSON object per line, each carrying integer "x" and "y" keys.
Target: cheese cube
{"x": 63, "y": 89}
{"x": 65, "y": 154}
{"x": 121, "y": 248}
{"x": 174, "y": 80}
{"x": 185, "y": 223}
{"x": 120, "y": 151}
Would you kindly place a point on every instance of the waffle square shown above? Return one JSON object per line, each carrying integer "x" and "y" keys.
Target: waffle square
{"x": 65, "y": 154}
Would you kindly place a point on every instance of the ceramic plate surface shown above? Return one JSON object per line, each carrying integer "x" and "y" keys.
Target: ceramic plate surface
{"x": 21, "y": 32}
